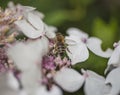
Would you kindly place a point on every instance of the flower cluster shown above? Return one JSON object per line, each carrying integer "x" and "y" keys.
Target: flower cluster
{"x": 42, "y": 63}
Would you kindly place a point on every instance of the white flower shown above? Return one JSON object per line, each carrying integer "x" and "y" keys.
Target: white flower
{"x": 54, "y": 91}
{"x": 26, "y": 57}
{"x": 32, "y": 26}
{"x": 50, "y": 31}
{"x": 78, "y": 42}
{"x": 5, "y": 87}
{"x": 95, "y": 84}
{"x": 114, "y": 60}
{"x": 20, "y": 9}
{"x": 113, "y": 79}
{"x": 69, "y": 79}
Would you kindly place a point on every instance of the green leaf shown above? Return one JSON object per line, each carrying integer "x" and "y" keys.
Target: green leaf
{"x": 105, "y": 31}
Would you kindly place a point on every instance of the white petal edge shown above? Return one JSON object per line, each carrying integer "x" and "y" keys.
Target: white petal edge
{"x": 95, "y": 84}
{"x": 114, "y": 60}
{"x": 115, "y": 57}
{"x": 77, "y": 32}
{"x": 12, "y": 81}
{"x": 94, "y": 44}
{"x": 50, "y": 31}
{"x": 69, "y": 79}
{"x": 113, "y": 78}
{"x": 5, "y": 88}
{"x": 28, "y": 30}
{"x": 53, "y": 91}
{"x": 72, "y": 40}
{"x": 27, "y": 60}
{"x": 28, "y": 8}
{"x": 78, "y": 53}
{"x": 36, "y": 21}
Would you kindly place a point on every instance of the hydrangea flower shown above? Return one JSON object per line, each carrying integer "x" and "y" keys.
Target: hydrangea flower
{"x": 114, "y": 60}
{"x": 47, "y": 67}
{"x": 78, "y": 42}
{"x": 113, "y": 79}
{"x": 95, "y": 84}
{"x": 42, "y": 63}
{"x": 114, "y": 69}
{"x": 39, "y": 71}
{"x": 33, "y": 27}
{"x": 7, "y": 19}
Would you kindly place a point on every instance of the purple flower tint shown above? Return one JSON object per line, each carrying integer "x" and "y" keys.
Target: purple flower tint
{"x": 58, "y": 60}
{"x": 3, "y": 60}
{"x": 48, "y": 62}
{"x": 84, "y": 40}
{"x": 45, "y": 81}
{"x": 2, "y": 68}
{"x": 116, "y": 44}
{"x": 51, "y": 43}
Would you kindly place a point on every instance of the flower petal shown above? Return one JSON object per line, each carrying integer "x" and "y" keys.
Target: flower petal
{"x": 94, "y": 44}
{"x": 72, "y": 40}
{"x": 30, "y": 80}
{"x": 12, "y": 81}
{"x": 113, "y": 79}
{"x": 53, "y": 91}
{"x": 77, "y": 32}
{"x": 28, "y": 8}
{"x": 27, "y": 60}
{"x": 69, "y": 79}
{"x": 114, "y": 60}
{"x": 28, "y": 30}
{"x": 5, "y": 88}
{"x": 50, "y": 31}
{"x": 39, "y": 14}
{"x": 36, "y": 21}
{"x": 95, "y": 84}
{"x": 78, "y": 53}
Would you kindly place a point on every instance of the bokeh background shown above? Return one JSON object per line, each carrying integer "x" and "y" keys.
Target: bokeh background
{"x": 100, "y": 18}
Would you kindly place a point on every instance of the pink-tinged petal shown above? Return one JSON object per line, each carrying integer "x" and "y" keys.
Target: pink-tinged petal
{"x": 113, "y": 79}
{"x": 94, "y": 44}
{"x": 36, "y": 21}
{"x": 69, "y": 79}
{"x": 95, "y": 84}
{"x": 77, "y": 32}
{"x": 78, "y": 53}
{"x": 28, "y": 30}
{"x": 53, "y": 91}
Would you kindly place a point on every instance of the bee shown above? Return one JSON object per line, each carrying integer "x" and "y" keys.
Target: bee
{"x": 60, "y": 45}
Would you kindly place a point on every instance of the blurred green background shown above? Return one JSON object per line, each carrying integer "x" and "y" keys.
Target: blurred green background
{"x": 100, "y": 18}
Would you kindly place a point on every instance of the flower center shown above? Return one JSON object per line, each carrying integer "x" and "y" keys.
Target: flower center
{"x": 55, "y": 60}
